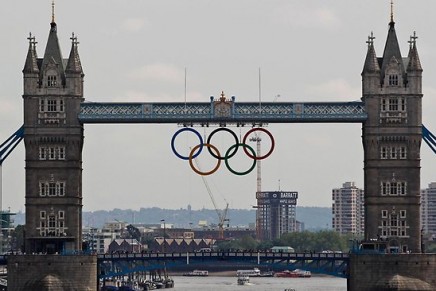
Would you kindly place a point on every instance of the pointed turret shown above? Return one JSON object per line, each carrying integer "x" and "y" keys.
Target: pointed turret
{"x": 31, "y": 69}
{"x": 392, "y": 51}
{"x": 53, "y": 56}
{"x": 371, "y": 63}
{"x": 73, "y": 71}
{"x": 74, "y": 65}
{"x": 414, "y": 62}
{"x": 414, "y": 69}
{"x": 371, "y": 69}
{"x": 31, "y": 64}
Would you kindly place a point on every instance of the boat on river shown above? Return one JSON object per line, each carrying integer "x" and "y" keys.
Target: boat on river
{"x": 297, "y": 273}
{"x": 243, "y": 279}
{"x": 255, "y": 272}
{"x": 197, "y": 273}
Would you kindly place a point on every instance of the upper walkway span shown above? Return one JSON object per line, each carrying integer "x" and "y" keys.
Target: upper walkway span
{"x": 223, "y": 112}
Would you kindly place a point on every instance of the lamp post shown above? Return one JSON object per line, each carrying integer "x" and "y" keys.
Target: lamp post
{"x": 164, "y": 235}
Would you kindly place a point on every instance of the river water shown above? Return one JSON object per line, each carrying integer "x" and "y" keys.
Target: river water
{"x": 258, "y": 284}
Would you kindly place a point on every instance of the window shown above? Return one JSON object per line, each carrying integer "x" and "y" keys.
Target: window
{"x": 51, "y": 105}
{"x": 402, "y": 188}
{"x": 61, "y": 154}
{"x": 393, "y": 104}
{"x": 41, "y": 105}
{"x": 51, "y": 189}
{"x": 51, "y": 221}
{"x": 51, "y": 153}
{"x": 384, "y": 153}
{"x": 403, "y": 153}
{"x": 42, "y": 153}
{"x": 383, "y": 105}
{"x": 394, "y": 220}
{"x": 42, "y": 189}
{"x": 51, "y": 81}
{"x": 393, "y": 188}
{"x": 61, "y": 188}
{"x": 61, "y": 214}
{"x": 61, "y": 106}
{"x": 384, "y": 188}
{"x": 393, "y": 80}
{"x": 393, "y": 153}
{"x": 403, "y": 213}
{"x": 384, "y": 213}
{"x": 42, "y": 214}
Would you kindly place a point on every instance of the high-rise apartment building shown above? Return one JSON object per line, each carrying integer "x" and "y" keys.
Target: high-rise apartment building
{"x": 428, "y": 210}
{"x": 348, "y": 209}
{"x": 275, "y": 214}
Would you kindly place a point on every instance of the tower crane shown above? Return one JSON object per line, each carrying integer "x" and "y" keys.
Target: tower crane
{"x": 222, "y": 215}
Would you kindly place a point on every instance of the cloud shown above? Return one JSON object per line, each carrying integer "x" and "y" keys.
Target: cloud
{"x": 140, "y": 96}
{"x": 335, "y": 90}
{"x": 133, "y": 24}
{"x": 159, "y": 72}
{"x": 9, "y": 108}
{"x": 303, "y": 16}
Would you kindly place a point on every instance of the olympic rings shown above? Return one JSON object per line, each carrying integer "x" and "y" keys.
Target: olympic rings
{"x": 174, "y": 138}
{"x": 209, "y": 146}
{"x": 272, "y": 143}
{"x": 234, "y": 136}
{"x": 216, "y": 154}
{"x": 226, "y": 160}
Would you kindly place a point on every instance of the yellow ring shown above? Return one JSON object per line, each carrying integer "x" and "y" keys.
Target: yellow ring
{"x": 191, "y": 154}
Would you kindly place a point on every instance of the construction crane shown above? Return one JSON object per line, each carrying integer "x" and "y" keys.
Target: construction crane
{"x": 222, "y": 215}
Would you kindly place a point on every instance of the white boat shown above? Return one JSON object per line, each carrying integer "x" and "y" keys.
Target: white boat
{"x": 242, "y": 280}
{"x": 251, "y": 273}
{"x": 197, "y": 273}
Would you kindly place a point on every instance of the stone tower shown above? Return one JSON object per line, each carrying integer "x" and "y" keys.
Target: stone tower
{"x": 53, "y": 136}
{"x": 391, "y": 136}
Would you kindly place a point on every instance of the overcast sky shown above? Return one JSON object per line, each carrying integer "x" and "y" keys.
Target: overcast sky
{"x": 138, "y": 50}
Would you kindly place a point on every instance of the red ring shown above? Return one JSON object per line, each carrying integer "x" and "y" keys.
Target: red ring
{"x": 272, "y": 143}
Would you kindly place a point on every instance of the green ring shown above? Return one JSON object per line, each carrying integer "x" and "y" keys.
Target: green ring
{"x": 226, "y": 159}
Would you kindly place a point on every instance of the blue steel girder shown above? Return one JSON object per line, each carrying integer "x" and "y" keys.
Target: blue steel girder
{"x": 222, "y": 112}
{"x": 9, "y": 145}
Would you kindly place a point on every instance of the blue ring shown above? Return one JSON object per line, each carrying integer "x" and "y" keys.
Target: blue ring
{"x": 174, "y": 138}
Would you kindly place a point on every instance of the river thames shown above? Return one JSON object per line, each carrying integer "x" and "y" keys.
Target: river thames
{"x": 257, "y": 284}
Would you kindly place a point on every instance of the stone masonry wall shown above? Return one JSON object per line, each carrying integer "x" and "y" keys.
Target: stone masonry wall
{"x": 52, "y": 272}
{"x": 368, "y": 272}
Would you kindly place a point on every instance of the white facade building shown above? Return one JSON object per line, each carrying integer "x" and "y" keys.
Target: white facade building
{"x": 428, "y": 210}
{"x": 348, "y": 209}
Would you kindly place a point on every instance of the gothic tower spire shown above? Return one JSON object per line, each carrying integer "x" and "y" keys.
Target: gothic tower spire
{"x": 391, "y": 138}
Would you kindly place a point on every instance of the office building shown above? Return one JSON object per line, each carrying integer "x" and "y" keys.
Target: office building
{"x": 428, "y": 210}
{"x": 275, "y": 214}
{"x": 347, "y": 209}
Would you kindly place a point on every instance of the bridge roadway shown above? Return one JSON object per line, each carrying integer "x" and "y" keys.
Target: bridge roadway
{"x": 122, "y": 264}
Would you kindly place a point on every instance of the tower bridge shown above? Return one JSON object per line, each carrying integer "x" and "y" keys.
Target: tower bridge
{"x": 55, "y": 112}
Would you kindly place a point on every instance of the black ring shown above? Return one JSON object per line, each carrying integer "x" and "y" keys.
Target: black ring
{"x": 236, "y": 142}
